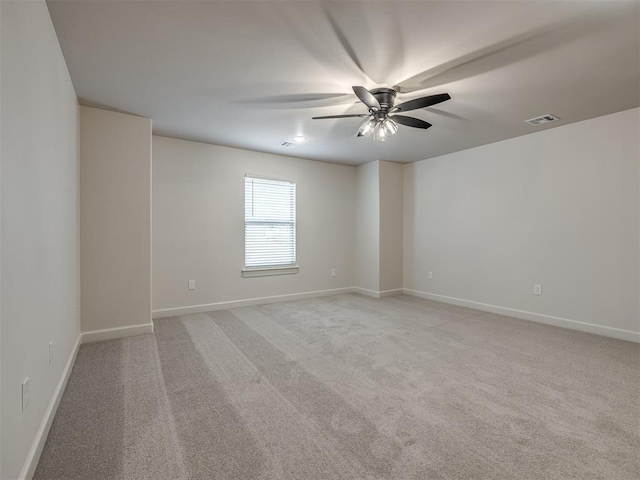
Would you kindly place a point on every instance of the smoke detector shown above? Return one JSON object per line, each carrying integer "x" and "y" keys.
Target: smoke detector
{"x": 548, "y": 118}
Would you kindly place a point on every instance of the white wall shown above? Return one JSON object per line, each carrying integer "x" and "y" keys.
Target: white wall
{"x": 198, "y": 224}
{"x": 559, "y": 208}
{"x": 115, "y": 227}
{"x": 39, "y": 222}
{"x": 391, "y": 225}
{"x": 367, "y": 227}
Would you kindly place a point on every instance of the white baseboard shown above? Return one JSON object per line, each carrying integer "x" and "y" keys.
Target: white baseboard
{"x": 366, "y": 292}
{"x": 535, "y": 317}
{"x": 208, "y": 307}
{"x": 31, "y": 462}
{"x": 376, "y": 293}
{"x": 118, "y": 332}
{"x": 391, "y": 293}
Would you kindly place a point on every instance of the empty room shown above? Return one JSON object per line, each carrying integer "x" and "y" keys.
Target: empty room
{"x": 319, "y": 240}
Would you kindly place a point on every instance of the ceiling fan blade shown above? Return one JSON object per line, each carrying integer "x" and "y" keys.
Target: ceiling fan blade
{"x": 421, "y": 102}
{"x": 366, "y": 97}
{"x": 341, "y": 116}
{"x": 410, "y": 121}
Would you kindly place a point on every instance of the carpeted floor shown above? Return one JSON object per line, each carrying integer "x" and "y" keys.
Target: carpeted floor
{"x": 350, "y": 387}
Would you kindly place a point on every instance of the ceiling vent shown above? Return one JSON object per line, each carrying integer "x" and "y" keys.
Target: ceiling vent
{"x": 288, "y": 144}
{"x": 543, "y": 119}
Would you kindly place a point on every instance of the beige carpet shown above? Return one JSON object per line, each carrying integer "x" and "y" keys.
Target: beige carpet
{"x": 350, "y": 387}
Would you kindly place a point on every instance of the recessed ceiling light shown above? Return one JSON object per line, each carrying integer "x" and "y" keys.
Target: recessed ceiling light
{"x": 299, "y": 139}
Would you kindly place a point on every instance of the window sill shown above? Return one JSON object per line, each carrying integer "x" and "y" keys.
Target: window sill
{"x": 267, "y": 271}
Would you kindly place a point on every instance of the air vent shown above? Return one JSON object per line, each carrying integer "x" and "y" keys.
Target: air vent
{"x": 543, "y": 119}
{"x": 288, "y": 144}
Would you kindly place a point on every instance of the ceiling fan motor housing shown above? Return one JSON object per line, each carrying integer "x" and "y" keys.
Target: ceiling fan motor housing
{"x": 386, "y": 98}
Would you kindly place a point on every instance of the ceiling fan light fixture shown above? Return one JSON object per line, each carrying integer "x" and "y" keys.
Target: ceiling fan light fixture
{"x": 383, "y": 129}
{"x": 381, "y": 104}
{"x": 367, "y": 127}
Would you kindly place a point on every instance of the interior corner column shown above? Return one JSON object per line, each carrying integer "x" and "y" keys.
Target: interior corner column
{"x": 115, "y": 219}
{"x": 379, "y": 224}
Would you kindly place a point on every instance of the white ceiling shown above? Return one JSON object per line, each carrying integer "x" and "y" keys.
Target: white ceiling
{"x": 251, "y": 74}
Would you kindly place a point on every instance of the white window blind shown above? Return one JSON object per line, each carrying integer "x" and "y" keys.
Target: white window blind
{"x": 269, "y": 222}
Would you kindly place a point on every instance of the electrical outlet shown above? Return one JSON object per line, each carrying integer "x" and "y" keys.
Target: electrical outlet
{"x": 430, "y": 275}
{"x": 25, "y": 394}
{"x": 333, "y": 272}
{"x": 537, "y": 289}
{"x": 51, "y": 352}
{"x": 192, "y": 284}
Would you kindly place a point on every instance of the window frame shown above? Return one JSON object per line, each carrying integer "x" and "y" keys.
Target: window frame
{"x": 268, "y": 270}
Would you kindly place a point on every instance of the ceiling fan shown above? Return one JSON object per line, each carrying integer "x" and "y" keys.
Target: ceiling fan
{"x": 384, "y": 116}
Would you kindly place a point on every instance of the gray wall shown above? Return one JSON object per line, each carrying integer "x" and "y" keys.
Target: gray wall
{"x": 40, "y": 265}
{"x": 367, "y": 227}
{"x": 198, "y": 224}
{"x": 379, "y": 207}
{"x": 558, "y": 208}
{"x": 115, "y": 226}
{"x": 391, "y": 225}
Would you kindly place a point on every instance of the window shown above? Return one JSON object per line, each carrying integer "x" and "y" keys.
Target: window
{"x": 269, "y": 226}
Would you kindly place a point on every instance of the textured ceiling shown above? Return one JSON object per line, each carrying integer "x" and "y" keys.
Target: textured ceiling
{"x": 251, "y": 74}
